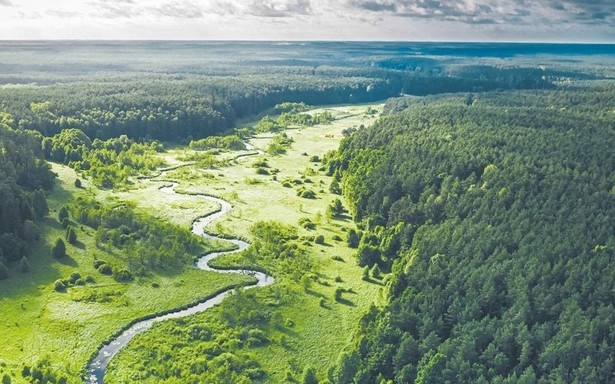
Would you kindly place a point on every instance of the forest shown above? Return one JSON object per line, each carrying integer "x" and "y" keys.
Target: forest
{"x": 493, "y": 215}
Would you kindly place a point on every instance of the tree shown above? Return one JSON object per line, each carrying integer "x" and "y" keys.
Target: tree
{"x": 71, "y": 235}
{"x": 335, "y": 187}
{"x": 62, "y": 214}
{"x": 77, "y": 183}
{"x": 24, "y": 266}
{"x": 353, "y": 238}
{"x": 59, "y": 249}
{"x": 336, "y": 208}
{"x": 309, "y": 376}
{"x": 39, "y": 204}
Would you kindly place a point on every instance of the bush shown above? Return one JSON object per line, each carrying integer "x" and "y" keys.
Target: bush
{"x": 307, "y": 194}
{"x": 338, "y": 293}
{"x": 365, "y": 275}
{"x": 6, "y": 379}
{"x": 320, "y": 239}
{"x": 98, "y": 263}
{"x": 336, "y": 238}
{"x": 74, "y": 277}
{"x": 79, "y": 282}
{"x": 59, "y": 286}
{"x": 59, "y": 249}
{"x": 306, "y": 223}
{"x": 89, "y": 279}
{"x": 262, "y": 171}
{"x": 122, "y": 276}
{"x": 105, "y": 269}
{"x": 77, "y": 183}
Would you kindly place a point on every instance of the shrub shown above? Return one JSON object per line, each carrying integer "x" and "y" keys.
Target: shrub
{"x": 77, "y": 183}
{"x": 306, "y": 223}
{"x": 74, "y": 277}
{"x": 307, "y": 194}
{"x": 262, "y": 171}
{"x": 98, "y": 263}
{"x": 336, "y": 238}
{"x": 6, "y": 379}
{"x": 105, "y": 269}
{"x": 59, "y": 249}
{"x": 315, "y": 159}
{"x": 338, "y": 293}
{"x": 59, "y": 286}
{"x": 338, "y": 279}
{"x": 89, "y": 279}
{"x": 287, "y": 184}
{"x": 320, "y": 239}
{"x": 123, "y": 275}
{"x": 79, "y": 282}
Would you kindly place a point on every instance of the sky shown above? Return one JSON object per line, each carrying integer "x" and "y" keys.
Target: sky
{"x": 406, "y": 20}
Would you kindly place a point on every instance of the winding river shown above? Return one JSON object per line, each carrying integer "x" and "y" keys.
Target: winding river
{"x": 98, "y": 366}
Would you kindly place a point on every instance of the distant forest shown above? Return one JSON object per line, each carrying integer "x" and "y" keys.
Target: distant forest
{"x": 156, "y": 95}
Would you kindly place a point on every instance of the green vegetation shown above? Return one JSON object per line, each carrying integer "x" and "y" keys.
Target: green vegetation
{"x": 291, "y": 330}
{"x": 232, "y": 142}
{"x": 493, "y": 220}
{"x": 107, "y": 163}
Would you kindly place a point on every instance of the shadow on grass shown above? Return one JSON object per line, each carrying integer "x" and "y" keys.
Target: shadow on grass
{"x": 67, "y": 260}
{"x": 79, "y": 244}
{"x": 346, "y": 302}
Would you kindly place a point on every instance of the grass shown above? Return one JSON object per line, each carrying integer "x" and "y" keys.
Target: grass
{"x": 38, "y": 323}
{"x": 319, "y": 332}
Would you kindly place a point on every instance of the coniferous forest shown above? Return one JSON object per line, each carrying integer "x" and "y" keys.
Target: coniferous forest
{"x": 494, "y": 213}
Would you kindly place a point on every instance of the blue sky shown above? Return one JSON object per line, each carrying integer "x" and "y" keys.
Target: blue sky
{"x": 430, "y": 20}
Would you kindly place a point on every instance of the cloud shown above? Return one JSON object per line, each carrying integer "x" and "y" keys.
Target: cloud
{"x": 179, "y": 10}
{"x": 494, "y": 11}
{"x": 114, "y": 9}
{"x": 263, "y": 8}
{"x": 6, "y": 3}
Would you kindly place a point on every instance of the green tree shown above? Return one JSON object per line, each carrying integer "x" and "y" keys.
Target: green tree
{"x": 309, "y": 376}
{"x": 71, "y": 235}
{"x": 353, "y": 238}
{"x": 39, "y": 204}
{"x": 59, "y": 249}
{"x": 335, "y": 187}
{"x": 24, "y": 266}
{"x": 62, "y": 214}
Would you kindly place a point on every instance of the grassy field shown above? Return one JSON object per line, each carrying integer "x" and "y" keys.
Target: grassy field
{"x": 319, "y": 332}
{"x": 40, "y": 324}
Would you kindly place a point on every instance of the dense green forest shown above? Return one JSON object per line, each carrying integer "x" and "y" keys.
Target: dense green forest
{"x": 24, "y": 179}
{"x": 493, "y": 213}
{"x": 181, "y": 95}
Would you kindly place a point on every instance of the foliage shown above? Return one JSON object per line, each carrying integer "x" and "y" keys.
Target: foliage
{"x": 108, "y": 163}
{"x": 58, "y": 251}
{"x": 470, "y": 206}
{"x": 23, "y": 177}
{"x": 145, "y": 241}
{"x": 279, "y": 144}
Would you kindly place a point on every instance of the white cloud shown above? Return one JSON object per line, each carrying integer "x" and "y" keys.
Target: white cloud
{"x": 309, "y": 19}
